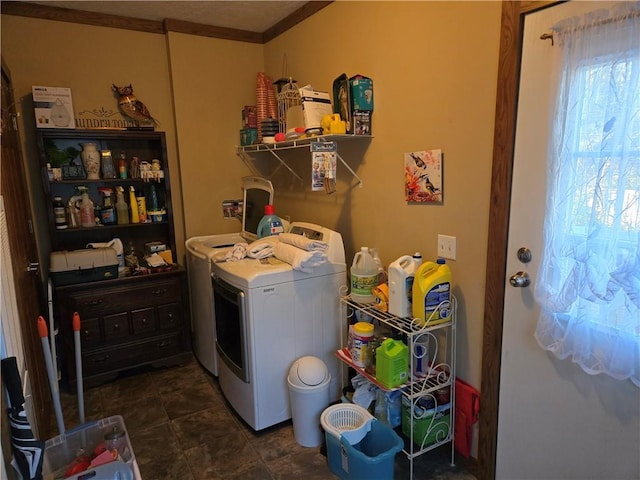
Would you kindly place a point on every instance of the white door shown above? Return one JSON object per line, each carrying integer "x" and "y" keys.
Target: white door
{"x": 554, "y": 420}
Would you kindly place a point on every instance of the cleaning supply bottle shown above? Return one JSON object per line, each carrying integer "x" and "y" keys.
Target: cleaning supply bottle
{"x": 432, "y": 293}
{"x": 364, "y": 277}
{"x": 270, "y": 224}
{"x": 401, "y": 275}
{"x": 133, "y": 206}
{"x": 107, "y": 214}
{"x": 141, "y": 201}
{"x": 87, "y": 217}
{"x": 382, "y": 275}
{"x": 392, "y": 363}
{"x": 122, "y": 210}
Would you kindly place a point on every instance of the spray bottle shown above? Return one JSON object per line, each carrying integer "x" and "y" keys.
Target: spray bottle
{"x": 122, "y": 209}
{"x": 133, "y": 206}
{"x": 87, "y": 217}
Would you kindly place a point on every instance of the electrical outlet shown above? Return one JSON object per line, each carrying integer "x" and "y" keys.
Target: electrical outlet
{"x": 447, "y": 247}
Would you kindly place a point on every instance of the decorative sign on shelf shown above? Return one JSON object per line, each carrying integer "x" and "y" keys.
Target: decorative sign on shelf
{"x": 103, "y": 118}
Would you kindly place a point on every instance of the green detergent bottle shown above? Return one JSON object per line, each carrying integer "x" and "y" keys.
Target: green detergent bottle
{"x": 392, "y": 363}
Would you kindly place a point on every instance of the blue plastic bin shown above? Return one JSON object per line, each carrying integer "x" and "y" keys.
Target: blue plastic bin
{"x": 372, "y": 457}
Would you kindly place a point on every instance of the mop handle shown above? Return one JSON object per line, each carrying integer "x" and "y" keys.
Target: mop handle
{"x": 76, "y": 339}
{"x": 43, "y": 332}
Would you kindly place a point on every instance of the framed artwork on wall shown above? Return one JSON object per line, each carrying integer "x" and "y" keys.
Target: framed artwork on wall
{"x": 423, "y": 176}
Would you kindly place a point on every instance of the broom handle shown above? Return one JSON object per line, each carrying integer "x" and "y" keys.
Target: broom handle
{"x": 42, "y": 331}
{"x": 78, "y": 349}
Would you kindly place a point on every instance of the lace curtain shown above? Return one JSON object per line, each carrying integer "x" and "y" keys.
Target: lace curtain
{"x": 588, "y": 286}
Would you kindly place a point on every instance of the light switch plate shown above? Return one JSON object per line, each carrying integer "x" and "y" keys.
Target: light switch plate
{"x": 447, "y": 247}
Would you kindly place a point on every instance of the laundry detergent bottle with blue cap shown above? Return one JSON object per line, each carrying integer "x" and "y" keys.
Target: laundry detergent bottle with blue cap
{"x": 270, "y": 224}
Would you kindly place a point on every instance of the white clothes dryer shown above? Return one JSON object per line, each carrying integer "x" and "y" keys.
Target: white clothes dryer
{"x": 268, "y": 315}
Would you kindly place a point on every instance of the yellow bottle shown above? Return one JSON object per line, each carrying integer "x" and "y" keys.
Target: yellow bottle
{"x": 133, "y": 205}
{"x": 432, "y": 293}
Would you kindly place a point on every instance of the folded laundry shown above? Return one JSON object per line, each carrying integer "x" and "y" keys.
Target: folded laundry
{"x": 299, "y": 259}
{"x": 262, "y": 248}
{"x": 303, "y": 242}
{"x": 231, "y": 254}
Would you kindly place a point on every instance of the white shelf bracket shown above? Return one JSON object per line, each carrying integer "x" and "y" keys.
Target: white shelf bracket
{"x": 283, "y": 163}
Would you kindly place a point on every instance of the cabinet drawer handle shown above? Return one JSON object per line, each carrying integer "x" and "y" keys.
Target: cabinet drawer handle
{"x": 94, "y": 303}
{"x": 101, "y": 359}
{"x": 160, "y": 291}
{"x": 116, "y": 326}
{"x": 143, "y": 321}
{"x": 164, "y": 343}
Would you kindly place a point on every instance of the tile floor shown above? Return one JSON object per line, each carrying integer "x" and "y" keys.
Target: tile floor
{"x": 182, "y": 428}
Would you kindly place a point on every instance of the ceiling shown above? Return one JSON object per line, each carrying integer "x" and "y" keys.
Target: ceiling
{"x": 252, "y": 16}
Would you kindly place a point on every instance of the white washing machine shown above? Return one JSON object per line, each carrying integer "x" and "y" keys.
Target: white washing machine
{"x": 257, "y": 192}
{"x": 267, "y": 316}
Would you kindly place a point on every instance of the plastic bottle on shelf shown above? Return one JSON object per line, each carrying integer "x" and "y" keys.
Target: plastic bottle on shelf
{"x": 122, "y": 166}
{"x": 107, "y": 214}
{"x": 270, "y": 223}
{"x": 133, "y": 206}
{"x": 87, "y": 217}
{"x": 364, "y": 276}
{"x": 153, "y": 199}
{"x": 417, "y": 258}
{"x": 382, "y": 275}
{"x": 432, "y": 293}
{"x": 108, "y": 169}
{"x": 141, "y": 201}
{"x": 122, "y": 209}
{"x": 401, "y": 276}
{"x": 59, "y": 213}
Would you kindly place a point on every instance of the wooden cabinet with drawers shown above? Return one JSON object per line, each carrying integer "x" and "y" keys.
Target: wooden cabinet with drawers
{"x": 125, "y": 323}
{"x": 128, "y": 321}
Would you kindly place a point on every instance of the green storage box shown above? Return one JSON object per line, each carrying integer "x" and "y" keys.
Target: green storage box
{"x": 429, "y": 426}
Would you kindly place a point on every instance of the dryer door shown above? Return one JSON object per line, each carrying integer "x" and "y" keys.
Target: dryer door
{"x": 231, "y": 327}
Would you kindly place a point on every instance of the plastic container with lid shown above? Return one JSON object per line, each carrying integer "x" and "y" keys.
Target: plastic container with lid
{"x": 360, "y": 334}
{"x": 270, "y": 224}
{"x": 364, "y": 276}
{"x": 308, "y": 381}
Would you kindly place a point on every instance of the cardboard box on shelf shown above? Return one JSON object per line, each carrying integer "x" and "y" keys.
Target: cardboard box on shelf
{"x": 315, "y": 105}
{"x": 53, "y": 107}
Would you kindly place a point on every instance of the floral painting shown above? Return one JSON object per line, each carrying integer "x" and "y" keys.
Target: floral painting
{"x": 423, "y": 176}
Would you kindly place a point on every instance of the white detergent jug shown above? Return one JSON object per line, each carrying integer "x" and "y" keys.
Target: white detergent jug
{"x": 401, "y": 275}
{"x": 364, "y": 277}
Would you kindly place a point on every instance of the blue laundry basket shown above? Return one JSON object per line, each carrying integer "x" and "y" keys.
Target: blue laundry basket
{"x": 372, "y": 457}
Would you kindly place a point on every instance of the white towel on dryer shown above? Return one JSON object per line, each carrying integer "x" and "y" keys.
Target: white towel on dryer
{"x": 299, "y": 259}
{"x": 262, "y": 248}
{"x": 303, "y": 242}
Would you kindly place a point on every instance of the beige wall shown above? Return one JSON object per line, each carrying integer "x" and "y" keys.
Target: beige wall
{"x": 434, "y": 67}
{"x": 212, "y": 80}
{"x": 88, "y": 60}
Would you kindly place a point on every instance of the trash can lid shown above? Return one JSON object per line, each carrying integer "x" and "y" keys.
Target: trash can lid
{"x": 308, "y": 372}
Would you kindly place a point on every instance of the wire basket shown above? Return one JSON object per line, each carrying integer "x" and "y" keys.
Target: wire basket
{"x": 347, "y": 420}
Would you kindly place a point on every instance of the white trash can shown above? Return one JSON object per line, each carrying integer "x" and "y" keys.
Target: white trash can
{"x": 309, "y": 395}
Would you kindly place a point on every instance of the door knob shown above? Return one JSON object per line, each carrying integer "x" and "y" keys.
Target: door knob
{"x": 520, "y": 279}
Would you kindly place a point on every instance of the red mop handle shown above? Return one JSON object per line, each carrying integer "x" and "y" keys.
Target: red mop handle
{"x": 76, "y": 322}
{"x": 43, "y": 331}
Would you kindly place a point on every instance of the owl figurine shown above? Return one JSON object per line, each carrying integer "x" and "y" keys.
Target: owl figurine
{"x": 131, "y": 107}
